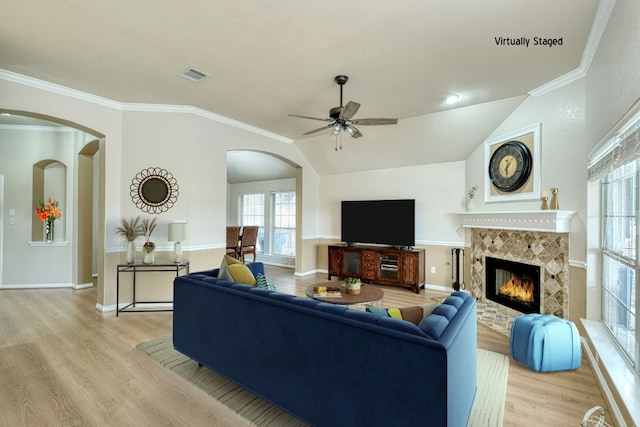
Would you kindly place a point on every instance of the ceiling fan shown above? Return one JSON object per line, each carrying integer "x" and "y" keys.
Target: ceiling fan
{"x": 341, "y": 117}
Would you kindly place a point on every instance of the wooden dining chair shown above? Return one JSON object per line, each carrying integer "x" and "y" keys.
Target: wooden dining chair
{"x": 248, "y": 241}
{"x": 233, "y": 241}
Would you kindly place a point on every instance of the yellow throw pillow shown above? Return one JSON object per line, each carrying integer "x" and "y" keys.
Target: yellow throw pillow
{"x": 223, "y": 273}
{"x": 395, "y": 312}
{"x": 241, "y": 274}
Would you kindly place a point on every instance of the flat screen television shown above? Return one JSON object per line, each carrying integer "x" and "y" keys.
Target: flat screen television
{"x": 383, "y": 222}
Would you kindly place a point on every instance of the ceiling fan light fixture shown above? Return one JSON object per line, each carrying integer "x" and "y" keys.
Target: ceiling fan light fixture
{"x": 350, "y": 130}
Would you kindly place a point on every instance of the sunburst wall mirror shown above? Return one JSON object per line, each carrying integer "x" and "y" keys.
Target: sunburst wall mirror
{"x": 154, "y": 190}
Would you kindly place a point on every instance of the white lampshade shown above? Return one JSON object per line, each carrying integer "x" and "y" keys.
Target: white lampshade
{"x": 177, "y": 233}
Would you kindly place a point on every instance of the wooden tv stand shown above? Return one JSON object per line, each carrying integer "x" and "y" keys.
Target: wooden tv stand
{"x": 374, "y": 264}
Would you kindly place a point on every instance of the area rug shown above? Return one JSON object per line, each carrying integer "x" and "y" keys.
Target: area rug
{"x": 494, "y": 316}
{"x": 488, "y": 407}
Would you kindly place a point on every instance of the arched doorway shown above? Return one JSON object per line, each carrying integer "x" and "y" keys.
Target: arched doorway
{"x": 270, "y": 182}
{"x": 85, "y": 203}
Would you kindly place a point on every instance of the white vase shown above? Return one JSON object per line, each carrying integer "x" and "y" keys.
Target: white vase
{"x": 131, "y": 252}
{"x": 148, "y": 257}
{"x": 471, "y": 205}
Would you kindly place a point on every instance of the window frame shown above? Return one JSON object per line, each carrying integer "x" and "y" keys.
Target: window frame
{"x": 615, "y": 308}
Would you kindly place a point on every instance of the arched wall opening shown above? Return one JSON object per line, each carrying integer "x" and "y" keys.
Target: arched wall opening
{"x": 254, "y": 171}
{"x": 75, "y": 183}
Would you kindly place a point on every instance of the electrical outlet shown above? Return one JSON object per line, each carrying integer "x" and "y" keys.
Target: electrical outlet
{"x": 433, "y": 269}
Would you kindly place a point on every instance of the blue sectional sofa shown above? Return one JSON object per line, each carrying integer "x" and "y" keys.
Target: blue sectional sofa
{"x": 327, "y": 364}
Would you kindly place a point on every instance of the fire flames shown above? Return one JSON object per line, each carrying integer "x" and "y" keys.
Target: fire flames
{"x": 517, "y": 288}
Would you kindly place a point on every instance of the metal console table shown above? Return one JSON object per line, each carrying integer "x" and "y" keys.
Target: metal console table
{"x": 135, "y": 268}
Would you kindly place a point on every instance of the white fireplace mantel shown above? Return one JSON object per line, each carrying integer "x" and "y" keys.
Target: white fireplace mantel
{"x": 551, "y": 221}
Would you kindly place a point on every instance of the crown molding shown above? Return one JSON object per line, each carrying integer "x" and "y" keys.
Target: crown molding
{"x": 186, "y": 109}
{"x": 595, "y": 35}
{"x": 61, "y": 90}
{"x": 157, "y": 108}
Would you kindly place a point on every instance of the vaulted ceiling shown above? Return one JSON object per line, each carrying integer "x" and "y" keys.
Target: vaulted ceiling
{"x": 266, "y": 60}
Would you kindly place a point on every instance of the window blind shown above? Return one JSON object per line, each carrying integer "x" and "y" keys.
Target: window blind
{"x": 623, "y": 148}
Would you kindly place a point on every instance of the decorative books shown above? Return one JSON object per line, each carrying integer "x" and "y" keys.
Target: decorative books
{"x": 326, "y": 291}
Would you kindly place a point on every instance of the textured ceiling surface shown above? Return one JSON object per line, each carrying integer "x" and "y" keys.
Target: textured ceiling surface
{"x": 267, "y": 60}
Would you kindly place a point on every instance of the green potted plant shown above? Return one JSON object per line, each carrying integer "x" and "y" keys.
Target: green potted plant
{"x": 147, "y": 227}
{"x": 130, "y": 229}
{"x": 352, "y": 285}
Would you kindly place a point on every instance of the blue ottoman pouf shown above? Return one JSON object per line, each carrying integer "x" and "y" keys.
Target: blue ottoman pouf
{"x": 545, "y": 343}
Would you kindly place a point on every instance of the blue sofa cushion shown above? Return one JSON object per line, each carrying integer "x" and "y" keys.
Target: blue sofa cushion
{"x": 456, "y": 299}
{"x": 446, "y": 310}
{"x": 434, "y": 325}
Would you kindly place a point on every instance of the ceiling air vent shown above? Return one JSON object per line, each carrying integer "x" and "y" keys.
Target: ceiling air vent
{"x": 193, "y": 74}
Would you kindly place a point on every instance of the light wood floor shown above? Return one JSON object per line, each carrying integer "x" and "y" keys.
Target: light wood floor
{"x": 63, "y": 363}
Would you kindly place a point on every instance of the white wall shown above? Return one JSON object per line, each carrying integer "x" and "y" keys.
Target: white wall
{"x": 613, "y": 85}
{"x": 25, "y": 263}
{"x": 563, "y": 157}
{"x": 438, "y": 190}
{"x": 190, "y": 144}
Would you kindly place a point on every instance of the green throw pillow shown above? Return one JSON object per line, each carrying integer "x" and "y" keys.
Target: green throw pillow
{"x": 263, "y": 282}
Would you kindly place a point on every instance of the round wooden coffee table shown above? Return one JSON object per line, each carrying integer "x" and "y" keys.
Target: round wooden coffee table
{"x": 368, "y": 294}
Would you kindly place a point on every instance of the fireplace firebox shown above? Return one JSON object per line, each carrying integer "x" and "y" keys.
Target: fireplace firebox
{"x": 513, "y": 284}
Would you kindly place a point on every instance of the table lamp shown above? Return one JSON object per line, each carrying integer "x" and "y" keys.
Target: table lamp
{"x": 177, "y": 233}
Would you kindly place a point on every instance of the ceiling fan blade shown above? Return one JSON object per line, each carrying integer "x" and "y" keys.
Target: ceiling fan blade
{"x": 373, "y": 122}
{"x": 319, "y": 129}
{"x": 349, "y": 110}
{"x": 351, "y": 130}
{"x": 312, "y": 118}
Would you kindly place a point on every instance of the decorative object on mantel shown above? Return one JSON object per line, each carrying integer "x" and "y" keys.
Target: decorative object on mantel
{"x": 544, "y": 199}
{"x": 512, "y": 162}
{"x": 130, "y": 229}
{"x": 471, "y": 193}
{"x": 554, "y": 199}
{"x": 550, "y": 221}
{"x": 154, "y": 190}
{"x": 352, "y": 285}
{"x": 147, "y": 228}
{"x": 177, "y": 234}
{"x": 48, "y": 213}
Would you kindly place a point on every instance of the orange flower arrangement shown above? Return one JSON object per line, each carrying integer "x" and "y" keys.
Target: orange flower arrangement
{"x": 48, "y": 212}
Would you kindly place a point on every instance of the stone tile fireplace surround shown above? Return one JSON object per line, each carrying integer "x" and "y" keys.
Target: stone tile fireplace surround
{"x": 538, "y": 238}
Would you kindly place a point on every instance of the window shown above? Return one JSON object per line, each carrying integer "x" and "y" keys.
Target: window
{"x": 620, "y": 264}
{"x": 252, "y": 213}
{"x": 284, "y": 223}
{"x": 275, "y": 215}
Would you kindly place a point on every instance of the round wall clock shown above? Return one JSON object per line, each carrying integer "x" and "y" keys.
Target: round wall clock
{"x": 510, "y": 166}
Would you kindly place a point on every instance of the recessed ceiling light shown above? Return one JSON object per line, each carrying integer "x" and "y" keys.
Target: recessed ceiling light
{"x": 451, "y": 99}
